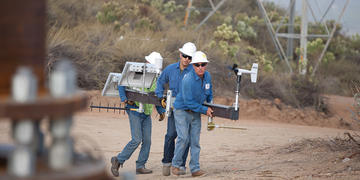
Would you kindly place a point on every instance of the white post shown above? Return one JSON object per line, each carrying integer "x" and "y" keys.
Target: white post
{"x": 62, "y": 84}
{"x": 22, "y": 160}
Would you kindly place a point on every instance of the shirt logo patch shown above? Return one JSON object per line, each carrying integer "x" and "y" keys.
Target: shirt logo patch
{"x": 207, "y": 86}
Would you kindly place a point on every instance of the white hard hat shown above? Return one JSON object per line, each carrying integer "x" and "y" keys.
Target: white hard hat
{"x": 199, "y": 57}
{"x": 155, "y": 58}
{"x": 188, "y": 48}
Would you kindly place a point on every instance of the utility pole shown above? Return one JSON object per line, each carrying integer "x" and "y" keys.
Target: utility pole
{"x": 188, "y": 11}
{"x": 303, "y": 39}
{"x": 290, "y": 41}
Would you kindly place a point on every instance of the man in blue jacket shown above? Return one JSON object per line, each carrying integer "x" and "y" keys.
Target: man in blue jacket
{"x": 195, "y": 88}
{"x": 173, "y": 75}
{"x": 140, "y": 126}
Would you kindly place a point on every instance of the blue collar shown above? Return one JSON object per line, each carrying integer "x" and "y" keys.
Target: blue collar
{"x": 197, "y": 77}
{"x": 178, "y": 65}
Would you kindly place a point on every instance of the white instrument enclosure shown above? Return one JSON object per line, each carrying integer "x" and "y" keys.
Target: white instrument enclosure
{"x": 132, "y": 75}
{"x": 111, "y": 85}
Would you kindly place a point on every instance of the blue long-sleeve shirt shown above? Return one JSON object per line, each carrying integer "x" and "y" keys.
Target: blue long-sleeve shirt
{"x": 193, "y": 92}
{"x": 172, "y": 75}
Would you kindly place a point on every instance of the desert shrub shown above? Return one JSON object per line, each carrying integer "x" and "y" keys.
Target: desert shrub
{"x": 170, "y": 8}
{"x": 343, "y": 72}
{"x": 225, "y": 39}
{"x": 92, "y": 52}
{"x": 128, "y": 30}
{"x": 71, "y": 12}
{"x": 264, "y": 61}
{"x": 101, "y": 50}
{"x": 125, "y": 17}
{"x": 314, "y": 49}
{"x": 145, "y": 23}
{"x": 245, "y": 31}
{"x": 111, "y": 11}
{"x": 296, "y": 90}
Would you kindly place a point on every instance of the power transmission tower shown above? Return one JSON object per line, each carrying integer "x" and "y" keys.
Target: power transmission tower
{"x": 214, "y": 8}
{"x": 303, "y": 36}
{"x": 290, "y": 41}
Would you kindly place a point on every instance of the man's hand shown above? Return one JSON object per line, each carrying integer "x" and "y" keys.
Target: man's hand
{"x": 209, "y": 112}
{"x": 129, "y": 102}
{"x": 162, "y": 116}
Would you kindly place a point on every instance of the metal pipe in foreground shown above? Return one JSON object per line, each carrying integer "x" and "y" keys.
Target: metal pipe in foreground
{"x": 212, "y": 126}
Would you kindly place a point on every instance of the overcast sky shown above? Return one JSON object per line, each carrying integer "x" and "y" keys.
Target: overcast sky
{"x": 350, "y": 20}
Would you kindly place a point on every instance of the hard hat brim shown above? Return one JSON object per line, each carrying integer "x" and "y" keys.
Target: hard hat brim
{"x": 202, "y": 61}
{"x": 184, "y": 52}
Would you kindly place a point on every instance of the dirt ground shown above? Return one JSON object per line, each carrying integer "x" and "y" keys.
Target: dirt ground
{"x": 279, "y": 142}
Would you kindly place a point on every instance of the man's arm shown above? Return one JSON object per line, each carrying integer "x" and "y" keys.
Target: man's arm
{"x": 209, "y": 98}
{"x": 188, "y": 96}
{"x": 162, "y": 80}
{"x": 122, "y": 93}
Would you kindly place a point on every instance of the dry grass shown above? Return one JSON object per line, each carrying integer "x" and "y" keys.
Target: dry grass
{"x": 97, "y": 49}
{"x": 296, "y": 91}
{"x": 348, "y": 144}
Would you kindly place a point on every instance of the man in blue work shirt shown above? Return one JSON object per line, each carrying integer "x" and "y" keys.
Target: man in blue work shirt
{"x": 140, "y": 126}
{"x": 173, "y": 75}
{"x": 195, "y": 88}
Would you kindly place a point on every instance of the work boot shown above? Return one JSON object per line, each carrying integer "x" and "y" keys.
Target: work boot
{"x": 177, "y": 171}
{"x": 166, "y": 170}
{"x": 198, "y": 173}
{"x": 143, "y": 171}
{"x": 115, "y": 165}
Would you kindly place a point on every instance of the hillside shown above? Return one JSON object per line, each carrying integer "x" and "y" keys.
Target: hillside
{"x": 100, "y": 36}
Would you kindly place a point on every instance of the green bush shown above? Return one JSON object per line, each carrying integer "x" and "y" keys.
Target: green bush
{"x": 111, "y": 11}
{"x": 170, "y": 7}
{"x": 225, "y": 38}
{"x": 145, "y": 23}
{"x": 314, "y": 49}
{"x": 245, "y": 31}
{"x": 264, "y": 62}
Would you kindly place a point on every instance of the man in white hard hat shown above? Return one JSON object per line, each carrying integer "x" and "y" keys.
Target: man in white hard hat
{"x": 173, "y": 75}
{"x": 140, "y": 126}
{"x": 195, "y": 88}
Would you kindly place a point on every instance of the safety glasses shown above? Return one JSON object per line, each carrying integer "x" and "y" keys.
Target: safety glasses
{"x": 200, "y": 64}
{"x": 186, "y": 56}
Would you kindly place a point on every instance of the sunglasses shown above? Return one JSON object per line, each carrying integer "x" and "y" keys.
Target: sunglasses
{"x": 186, "y": 56}
{"x": 198, "y": 64}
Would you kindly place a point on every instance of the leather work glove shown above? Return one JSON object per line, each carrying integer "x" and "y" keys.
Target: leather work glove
{"x": 162, "y": 117}
{"x": 163, "y": 102}
{"x": 129, "y": 102}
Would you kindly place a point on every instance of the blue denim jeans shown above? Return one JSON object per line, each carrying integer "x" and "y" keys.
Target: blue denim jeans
{"x": 188, "y": 127}
{"x": 169, "y": 143}
{"x": 140, "y": 126}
